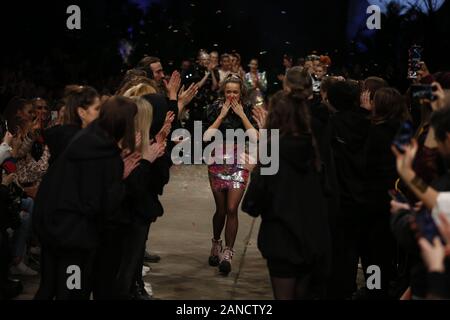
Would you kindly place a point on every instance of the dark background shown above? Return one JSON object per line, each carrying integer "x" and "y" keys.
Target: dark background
{"x": 37, "y": 46}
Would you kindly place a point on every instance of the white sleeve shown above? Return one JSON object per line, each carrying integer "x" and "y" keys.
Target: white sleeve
{"x": 5, "y": 152}
{"x": 442, "y": 206}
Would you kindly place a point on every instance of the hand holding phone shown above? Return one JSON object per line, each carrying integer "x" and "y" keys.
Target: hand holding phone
{"x": 423, "y": 92}
{"x": 404, "y": 136}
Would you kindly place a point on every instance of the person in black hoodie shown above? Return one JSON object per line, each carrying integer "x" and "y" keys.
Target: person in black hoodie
{"x": 349, "y": 128}
{"x": 299, "y": 80}
{"x": 294, "y": 236}
{"x": 388, "y": 114}
{"x": 79, "y": 203}
{"x": 82, "y": 106}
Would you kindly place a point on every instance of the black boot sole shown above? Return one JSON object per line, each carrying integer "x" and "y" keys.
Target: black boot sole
{"x": 213, "y": 261}
{"x": 225, "y": 267}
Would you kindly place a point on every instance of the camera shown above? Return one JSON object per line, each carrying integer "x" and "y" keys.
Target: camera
{"x": 423, "y": 91}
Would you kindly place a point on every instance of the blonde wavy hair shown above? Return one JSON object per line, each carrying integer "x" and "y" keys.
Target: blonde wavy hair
{"x": 139, "y": 90}
{"x": 143, "y": 121}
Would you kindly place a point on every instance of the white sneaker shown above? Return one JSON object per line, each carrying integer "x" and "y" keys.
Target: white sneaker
{"x": 148, "y": 288}
{"x": 35, "y": 250}
{"x": 22, "y": 270}
{"x": 145, "y": 270}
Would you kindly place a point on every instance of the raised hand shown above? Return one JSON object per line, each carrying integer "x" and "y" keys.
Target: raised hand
{"x": 185, "y": 97}
{"x": 154, "y": 151}
{"x": 365, "y": 101}
{"x": 423, "y": 72}
{"x": 173, "y": 85}
{"x": 225, "y": 108}
{"x": 165, "y": 130}
{"x": 405, "y": 160}
{"x": 130, "y": 163}
{"x": 260, "y": 116}
{"x": 237, "y": 108}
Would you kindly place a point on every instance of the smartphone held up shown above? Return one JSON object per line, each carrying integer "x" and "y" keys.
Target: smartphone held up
{"x": 404, "y": 136}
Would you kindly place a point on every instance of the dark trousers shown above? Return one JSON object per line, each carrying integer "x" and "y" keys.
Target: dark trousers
{"x": 348, "y": 243}
{"x": 130, "y": 270}
{"x": 60, "y": 269}
{"x": 366, "y": 235}
{"x": 138, "y": 280}
{"x": 5, "y": 258}
{"x": 379, "y": 249}
{"x": 118, "y": 259}
{"x": 107, "y": 262}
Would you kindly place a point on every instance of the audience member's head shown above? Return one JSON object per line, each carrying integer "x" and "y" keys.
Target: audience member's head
{"x": 153, "y": 68}
{"x": 440, "y": 122}
{"x": 389, "y": 104}
{"x": 373, "y": 84}
{"x": 344, "y": 95}
{"x": 18, "y": 114}
{"x": 117, "y": 119}
{"x": 299, "y": 81}
{"x": 82, "y": 106}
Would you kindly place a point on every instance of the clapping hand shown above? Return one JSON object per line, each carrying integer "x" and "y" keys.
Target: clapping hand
{"x": 260, "y": 116}
{"x": 161, "y": 136}
{"x": 154, "y": 151}
{"x": 185, "y": 97}
{"x": 173, "y": 85}
{"x": 365, "y": 101}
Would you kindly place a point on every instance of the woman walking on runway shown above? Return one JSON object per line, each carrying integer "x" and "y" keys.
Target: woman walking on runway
{"x": 228, "y": 181}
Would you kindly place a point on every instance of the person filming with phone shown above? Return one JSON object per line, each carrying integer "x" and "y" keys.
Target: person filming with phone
{"x": 429, "y": 276}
